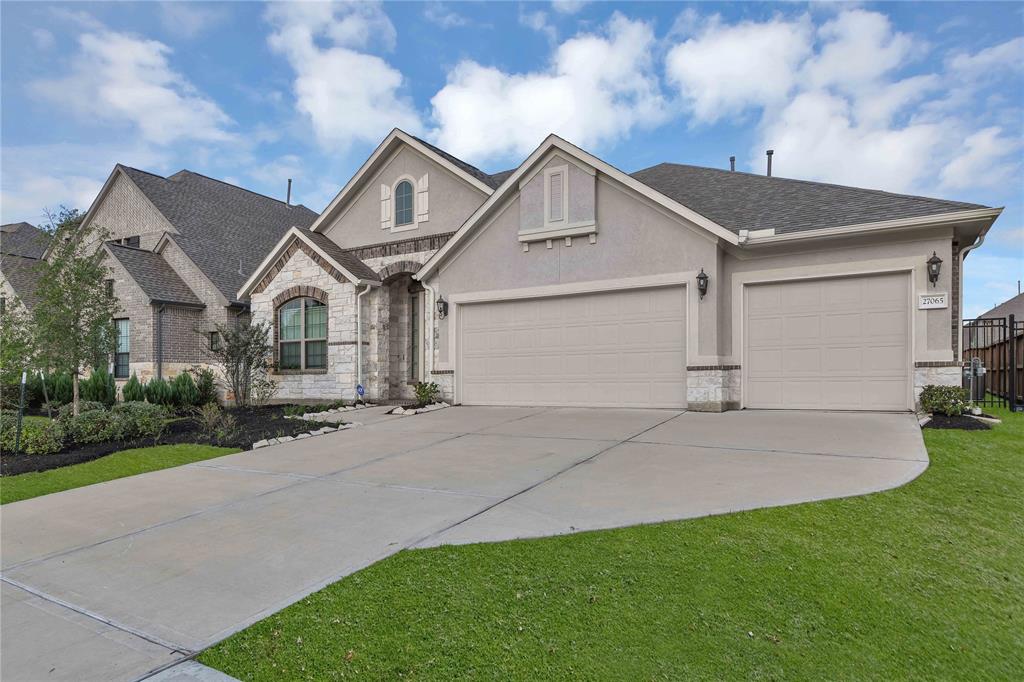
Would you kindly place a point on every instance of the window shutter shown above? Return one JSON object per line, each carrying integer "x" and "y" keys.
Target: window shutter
{"x": 385, "y": 207}
{"x": 422, "y": 204}
{"x": 555, "y": 194}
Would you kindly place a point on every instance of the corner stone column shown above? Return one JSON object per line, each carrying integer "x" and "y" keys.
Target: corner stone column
{"x": 712, "y": 388}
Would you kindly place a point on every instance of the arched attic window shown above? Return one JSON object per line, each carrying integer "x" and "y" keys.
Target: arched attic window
{"x": 302, "y": 334}
{"x": 404, "y": 203}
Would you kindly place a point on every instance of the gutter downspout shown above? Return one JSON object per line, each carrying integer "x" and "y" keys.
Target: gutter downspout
{"x": 963, "y": 254}
{"x": 359, "y": 335}
{"x": 160, "y": 342}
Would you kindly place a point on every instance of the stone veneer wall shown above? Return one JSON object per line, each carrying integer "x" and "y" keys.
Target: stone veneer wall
{"x": 713, "y": 388}
{"x": 937, "y": 373}
{"x": 339, "y": 379}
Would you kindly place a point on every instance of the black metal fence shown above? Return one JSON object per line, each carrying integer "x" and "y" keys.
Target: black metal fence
{"x": 993, "y": 354}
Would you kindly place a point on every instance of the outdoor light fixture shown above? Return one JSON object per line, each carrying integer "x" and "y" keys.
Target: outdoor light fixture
{"x": 702, "y": 283}
{"x": 934, "y": 264}
{"x": 442, "y": 308}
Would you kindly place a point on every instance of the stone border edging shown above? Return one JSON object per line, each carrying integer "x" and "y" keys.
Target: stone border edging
{"x": 402, "y": 412}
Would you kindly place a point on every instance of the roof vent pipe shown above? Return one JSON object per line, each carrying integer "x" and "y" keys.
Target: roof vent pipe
{"x": 288, "y": 200}
{"x": 770, "y": 152}
{"x": 732, "y": 163}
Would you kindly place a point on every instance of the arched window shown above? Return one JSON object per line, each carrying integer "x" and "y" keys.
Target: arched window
{"x": 404, "y": 203}
{"x": 302, "y": 334}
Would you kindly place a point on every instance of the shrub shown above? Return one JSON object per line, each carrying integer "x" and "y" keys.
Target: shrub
{"x": 948, "y": 400}
{"x": 262, "y": 389}
{"x": 206, "y": 384}
{"x": 133, "y": 390}
{"x": 215, "y": 424}
{"x": 64, "y": 412}
{"x": 92, "y": 426}
{"x": 139, "y": 420}
{"x": 37, "y": 437}
{"x": 99, "y": 387}
{"x": 242, "y": 359}
{"x": 62, "y": 390}
{"x": 159, "y": 392}
{"x": 427, "y": 393}
{"x": 184, "y": 391}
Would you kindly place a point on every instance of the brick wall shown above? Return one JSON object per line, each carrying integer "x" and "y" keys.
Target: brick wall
{"x": 126, "y": 212}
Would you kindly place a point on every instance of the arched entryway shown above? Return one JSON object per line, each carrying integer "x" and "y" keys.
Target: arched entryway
{"x": 404, "y": 353}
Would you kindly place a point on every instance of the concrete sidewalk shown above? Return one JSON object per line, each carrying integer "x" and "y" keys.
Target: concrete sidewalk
{"x": 117, "y": 580}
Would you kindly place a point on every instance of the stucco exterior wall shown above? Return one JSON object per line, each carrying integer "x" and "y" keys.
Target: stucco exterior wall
{"x": 451, "y": 201}
{"x": 126, "y": 212}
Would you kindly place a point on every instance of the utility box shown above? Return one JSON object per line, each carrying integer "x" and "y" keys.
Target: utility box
{"x": 974, "y": 379}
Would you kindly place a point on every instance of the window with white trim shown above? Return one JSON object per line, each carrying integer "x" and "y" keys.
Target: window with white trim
{"x": 302, "y": 334}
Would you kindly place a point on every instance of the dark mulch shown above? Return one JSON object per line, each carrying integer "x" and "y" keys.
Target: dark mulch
{"x": 254, "y": 424}
{"x": 941, "y": 421}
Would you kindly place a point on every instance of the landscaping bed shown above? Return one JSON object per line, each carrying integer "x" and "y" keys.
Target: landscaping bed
{"x": 962, "y": 421}
{"x": 253, "y": 424}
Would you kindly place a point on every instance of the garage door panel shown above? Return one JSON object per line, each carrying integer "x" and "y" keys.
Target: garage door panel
{"x": 844, "y": 344}
{"x": 622, "y": 348}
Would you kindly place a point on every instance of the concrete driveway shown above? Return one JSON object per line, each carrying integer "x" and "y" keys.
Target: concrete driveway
{"x": 116, "y": 580}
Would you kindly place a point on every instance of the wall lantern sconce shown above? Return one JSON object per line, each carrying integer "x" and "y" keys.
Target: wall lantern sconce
{"x": 934, "y": 264}
{"x": 702, "y": 283}
{"x": 442, "y": 308}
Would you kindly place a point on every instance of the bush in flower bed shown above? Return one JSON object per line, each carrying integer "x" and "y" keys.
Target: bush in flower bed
{"x": 948, "y": 400}
{"x": 38, "y": 437}
{"x": 66, "y": 412}
{"x": 124, "y": 421}
{"x": 133, "y": 390}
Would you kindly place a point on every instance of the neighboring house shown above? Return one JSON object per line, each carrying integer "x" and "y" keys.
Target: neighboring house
{"x": 21, "y": 248}
{"x": 1012, "y": 306}
{"x": 179, "y": 249}
{"x": 570, "y": 282}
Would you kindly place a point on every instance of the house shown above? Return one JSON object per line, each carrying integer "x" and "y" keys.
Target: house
{"x": 21, "y": 247}
{"x": 569, "y": 282}
{"x": 179, "y": 248}
{"x": 1011, "y": 306}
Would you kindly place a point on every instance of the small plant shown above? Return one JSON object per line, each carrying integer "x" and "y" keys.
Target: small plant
{"x": 295, "y": 410}
{"x": 65, "y": 413}
{"x": 184, "y": 391}
{"x": 215, "y": 424}
{"x": 99, "y": 388}
{"x": 37, "y": 437}
{"x": 263, "y": 388}
{"x": 948, "y": 400}
{"x": 159, "y": 392}
{"x": 206, "y": 384}
{"x": 133, "y": 390}
{"x": 139, "y": 420}
{"x": 427, "y": 393}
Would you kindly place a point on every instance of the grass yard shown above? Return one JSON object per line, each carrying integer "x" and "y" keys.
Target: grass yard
{"x": 926, "y": 581}
{"x": 117, "y": 465}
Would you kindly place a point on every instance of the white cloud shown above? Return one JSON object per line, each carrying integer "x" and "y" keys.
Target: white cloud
{"x": 440, "y": 14}
{"x": 538, "y": 21}
{"x": 726, "y": 69}
{"x": 124, "y": 78}
{"x": 1008, "y": 55}
{"x": 597, "y": 88}
{"x": 987, "y": 158}
{"x": 43, "y": 39}
{"x": 41, "y": 177}
{"x": 189, "y": 19}
{"x": 990, "y": 279}
{"x": 568, "y": 6}
{"x": 348, "y": 95}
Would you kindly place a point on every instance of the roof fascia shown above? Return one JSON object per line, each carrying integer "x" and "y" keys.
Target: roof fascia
{"x": 275, "y": 253}
{"x": 553, "y": 144}
{"x": 376, "y": 158}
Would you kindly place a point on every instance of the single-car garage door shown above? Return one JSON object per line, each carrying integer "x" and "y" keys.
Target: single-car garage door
{"x": 617, "y": 348}
{"x": 840, "y": 344}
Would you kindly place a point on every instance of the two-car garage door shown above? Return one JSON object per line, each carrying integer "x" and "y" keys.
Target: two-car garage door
{"x": 616, "y": 348}
{"x": 839, "y": 343}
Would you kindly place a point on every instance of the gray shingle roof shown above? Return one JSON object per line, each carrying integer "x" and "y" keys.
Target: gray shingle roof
{"x": 347, "y": 260}
{"x": 224, "y": 229}
{"x": 154, "y": 275}
{"x": 491, "y": 180}
{"x": 744, "y": 201}
{"x": 23, "y": 239}
{"x": 1013, "y": 306}
{"x": 23, "y": 274}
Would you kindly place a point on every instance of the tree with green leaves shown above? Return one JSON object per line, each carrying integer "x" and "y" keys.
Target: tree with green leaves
{"x": 17, "y": 350}
{"x": 242, "y": 358}
{"x": 74, "y": 316}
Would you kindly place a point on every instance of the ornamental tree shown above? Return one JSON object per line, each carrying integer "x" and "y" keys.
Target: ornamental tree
{"x": 74, "y": 315}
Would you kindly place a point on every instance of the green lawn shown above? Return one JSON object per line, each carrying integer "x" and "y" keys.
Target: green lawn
{"x": 926, "y": 581}
{"x": 117, "y": 465}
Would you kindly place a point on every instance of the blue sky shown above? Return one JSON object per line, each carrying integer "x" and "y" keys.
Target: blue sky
{"x": 923, "y": 98}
